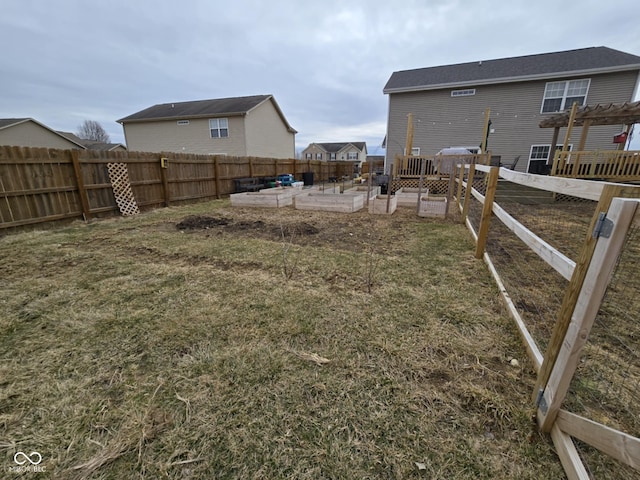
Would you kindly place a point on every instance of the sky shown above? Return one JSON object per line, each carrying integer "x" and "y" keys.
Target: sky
{"x": 326, "y": 63}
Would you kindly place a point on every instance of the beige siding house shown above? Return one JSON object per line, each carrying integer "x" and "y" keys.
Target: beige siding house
{"x": 240, "y": 126}
{"x": 27, "y": 132}
{"x": 329, "y": 152}
{"x": 449, "y": 102}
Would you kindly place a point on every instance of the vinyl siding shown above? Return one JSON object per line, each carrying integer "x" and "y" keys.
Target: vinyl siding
{"x": 267, "y": 135}
{"x": 168, "y": 136}
{"x": 30, "y": 134}
{"x": 441, "y": 120}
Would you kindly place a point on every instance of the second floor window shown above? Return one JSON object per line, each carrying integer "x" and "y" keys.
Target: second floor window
{"x": 219, "y": 127}
{"x": 560, "y": 96}
{"x": 308, "y": 156}
{"x": 332, "y": 156}
{"x": 352, "y": 156}
{"x": 318, "y": 156}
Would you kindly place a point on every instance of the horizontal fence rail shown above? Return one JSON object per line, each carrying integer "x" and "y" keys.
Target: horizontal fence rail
{"x": 39, "y": 185}
{"x": 542, "y": 240}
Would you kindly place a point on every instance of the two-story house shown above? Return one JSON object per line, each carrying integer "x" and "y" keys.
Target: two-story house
{"x": 331, "y": 152}
{"x": 240, "y": 126}
{"x": 27, "y": 132}
{"x": 449, "y": 102}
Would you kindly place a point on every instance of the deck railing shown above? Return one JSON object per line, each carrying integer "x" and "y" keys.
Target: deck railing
{"x": 410, "y": 166}
{"x": 610, "y": 165}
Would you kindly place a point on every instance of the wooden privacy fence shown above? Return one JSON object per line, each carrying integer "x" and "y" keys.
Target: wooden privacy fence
{"x": 587, "y": 277}
{"x": 39, "y": 185}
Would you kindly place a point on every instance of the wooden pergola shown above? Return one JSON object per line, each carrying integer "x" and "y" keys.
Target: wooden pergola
{"x": 626, "y": 114}
{"x": 611, "y": 165}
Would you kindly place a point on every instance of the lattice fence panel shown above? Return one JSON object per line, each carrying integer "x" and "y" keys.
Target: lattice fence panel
{"x": 119, "y": 176}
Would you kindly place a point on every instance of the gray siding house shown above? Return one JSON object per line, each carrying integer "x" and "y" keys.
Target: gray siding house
{"x": 240, "y": 126}
{"x": 449, "y": 102}
{"x": 329, "y": 152}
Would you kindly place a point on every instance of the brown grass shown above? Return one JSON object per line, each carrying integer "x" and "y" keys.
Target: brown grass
{"x": 131, "y": 348}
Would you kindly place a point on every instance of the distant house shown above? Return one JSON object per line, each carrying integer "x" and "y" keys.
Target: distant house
{"x": 240, "y": 126}
{"x": 448, "y": 102}
{"x": 93, "y": 145}
{"x": 330, "y": 152}
{"x": 27, "y": 132}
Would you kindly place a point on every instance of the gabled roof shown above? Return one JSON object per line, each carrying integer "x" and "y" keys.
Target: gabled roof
{"x": 92, "y": 144}
{"x": 336, "y": 147}
{"x": 219, "y": 107}
{"x": 10, "y": 122}
{"x": 584, "y": 61}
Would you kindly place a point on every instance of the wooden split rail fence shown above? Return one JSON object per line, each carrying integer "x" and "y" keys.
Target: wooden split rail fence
{"x": 588, "y": 276}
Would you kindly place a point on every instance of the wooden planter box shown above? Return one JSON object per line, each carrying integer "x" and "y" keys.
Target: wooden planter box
{"x": 329, "y": 202}
{"x": 408, "y": 197}
{"x": 267, "y": 198}
{"x": 362, "y": 190}
{"x": 378, "y": 205}
{"x": 432, "y": 206}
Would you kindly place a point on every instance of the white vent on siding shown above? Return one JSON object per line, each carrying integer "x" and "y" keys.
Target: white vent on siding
{"x": 183, "y": 122}
{"x": 463, "y": 93}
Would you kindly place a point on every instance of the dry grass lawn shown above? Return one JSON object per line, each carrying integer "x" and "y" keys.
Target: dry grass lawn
{"x": 261, "y": 344}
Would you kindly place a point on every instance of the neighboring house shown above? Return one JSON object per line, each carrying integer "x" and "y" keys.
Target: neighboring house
{"x": 241, "y": 126}
{"x": 27, "y": 132}
{"x": 93, "y": 145}
{"x": 449, "y": 102}
{"x": 331, "y": 152}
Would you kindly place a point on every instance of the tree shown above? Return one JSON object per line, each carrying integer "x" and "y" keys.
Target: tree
{"x": 92, "y": 130}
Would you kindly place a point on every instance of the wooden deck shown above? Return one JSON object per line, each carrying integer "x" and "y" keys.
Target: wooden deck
{"x": 609, "y": 165}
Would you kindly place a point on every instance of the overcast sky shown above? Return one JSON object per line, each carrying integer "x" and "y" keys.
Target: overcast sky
{"x": 326, "y": 62}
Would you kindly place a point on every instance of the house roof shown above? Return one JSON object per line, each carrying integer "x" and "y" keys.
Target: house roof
{"x": 227, "y": 107}
{"x": 584, "y": 61}
{"x": 336, "y": 147}
{"x": 10, "y": 122}
{"x": 91, "y": 144}
{"x": 609, "y": 114}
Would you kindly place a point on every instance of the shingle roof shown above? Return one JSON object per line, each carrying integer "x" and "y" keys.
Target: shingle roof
{"x": 6, "y": 122}
{"x": 198, "y": 108}
{"x": 336, "y": 147}
{"x": 529, "y": 67}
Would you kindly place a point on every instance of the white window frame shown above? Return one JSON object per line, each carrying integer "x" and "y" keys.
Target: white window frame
{"x": 220, "y": 126}
{"x": 352, "y": 155}
{"x": 332, "y": 156}
{"x": 318, "y": 156}
{"x": 415, "y": 151}
{"x": 562, "y": 90}
{"x": 467, "y": 92}
{"x": 548, "y": 158}
{"x": 308, "y": 156}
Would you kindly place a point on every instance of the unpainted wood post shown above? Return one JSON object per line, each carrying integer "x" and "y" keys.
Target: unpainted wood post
{"x": 575, "y": 285}
{"x": 460, "y": 180}
{"x": 467, "y": 193}
{"x": 164, "y": 169}
{"x": 216, "y": 170}
{"x": 487, "y": 208}
{"x": 599, "y": 272}
{"x": 82, "y": 191}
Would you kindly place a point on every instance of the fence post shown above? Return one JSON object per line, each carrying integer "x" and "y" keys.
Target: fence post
{"x": 487, "y": 208}
{"x": 575, "y": 284}
{"x": 82, "y": 191}
{"x": 216, "y": 170}
{"x": 164, "y": 167}
{"x": 592, "y": 292}
{"x": 467, "y": 193}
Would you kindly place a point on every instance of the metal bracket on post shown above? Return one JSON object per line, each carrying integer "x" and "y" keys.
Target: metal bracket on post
{"x": 603, "y": 227}
{"x": 541, "y": 403}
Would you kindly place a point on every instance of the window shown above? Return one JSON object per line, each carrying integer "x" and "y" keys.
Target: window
{"x": 219, "y": 127}
{"x": 415, "y": 151}
{"x": 463, "y": 93}
{"x": 318, "y": 156}
{"x": 308, "y": 156}
{"x": 183, "y": 122}
{"x": 352, "y": 156}
{"x": 541, "y": 152}
{"x": 332, "y": 156}
{"x": 560, "y": 96}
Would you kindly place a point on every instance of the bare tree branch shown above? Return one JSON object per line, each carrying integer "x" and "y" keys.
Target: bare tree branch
{"x": 92, "y": 130}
